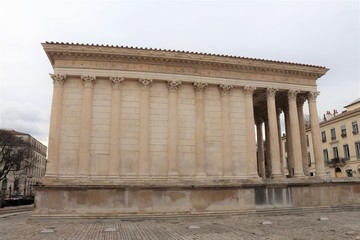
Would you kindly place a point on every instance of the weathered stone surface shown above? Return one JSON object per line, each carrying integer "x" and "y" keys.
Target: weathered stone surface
{"x": 126, "y": 121}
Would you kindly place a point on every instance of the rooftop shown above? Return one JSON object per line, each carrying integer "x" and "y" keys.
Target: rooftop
{"x": 175, "y": 51}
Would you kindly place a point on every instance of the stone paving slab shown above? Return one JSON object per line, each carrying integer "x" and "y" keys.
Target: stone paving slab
{"x": 341, "y": 225}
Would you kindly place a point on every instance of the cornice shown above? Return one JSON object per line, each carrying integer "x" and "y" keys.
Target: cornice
{"x": 68, "y": 51}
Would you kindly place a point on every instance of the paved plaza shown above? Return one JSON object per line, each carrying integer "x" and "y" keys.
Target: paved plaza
{"x": 335, "y": 225}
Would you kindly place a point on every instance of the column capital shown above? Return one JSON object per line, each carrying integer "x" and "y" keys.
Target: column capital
{"x": 271, "y": 92}
{"x": 173, "y": 85}
{"x": 259, "y": 121}
{"x": 249, "y": 90}
{"x": 311, "y": 96}
{"x": 200, "y": 87}
{"x": 145, "y": 82}
{"x": 88, "y": 80}
{"x": 58, "y": 79}
{"x": 225, "y": 89}
{"x": 116, "y": 81}
{"x": 292, "y": 94}
{"x": 300, "y": 101}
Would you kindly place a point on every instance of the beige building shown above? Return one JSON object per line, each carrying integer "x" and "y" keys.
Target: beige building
{"x": 147, "y": 131}
{"x": 20, "y": 182}
{"x": 340, "y": 142}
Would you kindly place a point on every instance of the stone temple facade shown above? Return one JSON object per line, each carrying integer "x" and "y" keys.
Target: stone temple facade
{"x": 148, "y": 131}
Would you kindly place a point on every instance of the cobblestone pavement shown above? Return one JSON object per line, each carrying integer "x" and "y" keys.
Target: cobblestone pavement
{"x": 340, "y": 225}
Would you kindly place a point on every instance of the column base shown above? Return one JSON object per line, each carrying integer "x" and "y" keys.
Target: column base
{"x": 173, "y": 175}
{"x": 300, "y": 175}
{"x": 200, "y": 175}
{"x": 277, "y": 176}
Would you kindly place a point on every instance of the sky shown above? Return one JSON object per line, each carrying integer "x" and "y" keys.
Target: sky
{"x": 322, "y": 33}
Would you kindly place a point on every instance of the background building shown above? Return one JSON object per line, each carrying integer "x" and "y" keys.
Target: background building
{"x": 20, "y": 180}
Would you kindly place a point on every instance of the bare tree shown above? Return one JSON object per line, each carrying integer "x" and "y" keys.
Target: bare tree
{"x": 307, "y": 120}
{"x": 14, "y": 153}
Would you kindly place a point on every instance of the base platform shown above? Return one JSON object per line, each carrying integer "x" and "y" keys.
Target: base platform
{"x": 186, "y": 198}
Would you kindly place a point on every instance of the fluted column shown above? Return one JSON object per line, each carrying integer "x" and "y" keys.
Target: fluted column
{"x": 85, "y": 129}
{"x": 315, "y": 133}
{"x": 52, "y": 168}
{"x": 273, "y": 133}
{"x": 200, "y": 128}
{"x": 114, "y": 161}
{"x": 260, "y": 148}
{"x": 300, "y": 104}
{"x": 278, "y": 112}
{"x": 290, "y": 160}
{"x": 267, "y": 155}
{"x": 295, "y": 134}
{"x": 250, "y": 132}
{"x": 173, "y": 165}
{"x": 227, "y": 165}
{"x": 144, "y": 128}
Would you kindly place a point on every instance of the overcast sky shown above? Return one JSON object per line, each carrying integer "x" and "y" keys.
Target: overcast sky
{"x": 323, "y": 33}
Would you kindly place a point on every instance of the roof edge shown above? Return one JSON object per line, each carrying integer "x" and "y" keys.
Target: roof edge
{"x": 179, "y": 51}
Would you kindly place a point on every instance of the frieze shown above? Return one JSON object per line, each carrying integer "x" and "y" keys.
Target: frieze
{"x": 191, "y": 66}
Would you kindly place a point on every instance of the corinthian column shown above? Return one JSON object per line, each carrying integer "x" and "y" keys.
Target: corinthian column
{"x": 52, "y": 169}
{"x": 289, "y": 149}
{"x": 144, "y": 128}
{"x": 173, "y": 165}
{"x": 85, "y": 129}
{"x": 250, "y": 132}
{"x": 273, "y": 133}
{"x": 300, "y": 103}
{"x": 278, "y": 112}
{"x": 295, "y": 134}
{"x": 315, "y": 133}
{"x": 227, "y": 165}
{"x": 260, "y": 148}
{"x": 200, "y": 128}
{"x": 114, "y": 161}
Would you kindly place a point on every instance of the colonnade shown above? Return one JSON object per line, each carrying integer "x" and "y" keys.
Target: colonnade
{"x": 256, "y": 165}
{"x": 271, "y": 164}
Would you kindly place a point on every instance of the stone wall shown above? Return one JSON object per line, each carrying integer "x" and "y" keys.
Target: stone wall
{"x": 130, "y": 201}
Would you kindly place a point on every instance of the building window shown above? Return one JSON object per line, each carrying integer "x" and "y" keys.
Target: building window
{"x": 343, "y": 131}
{"x": 309, "y": 159}
{"x": 349, "y": 173}
{"x": 346, "y": 152}
{"x": 333, "y": 134}
{"x": 357, "y": 149}
{"x": 326, "y": 155}
{"x": 335, "y": 152}
{"x": 338, "y": 172}
{"x": 323, "y": 136}
{"x": 307, "y": 140}
{"x": 355, "y": 128}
